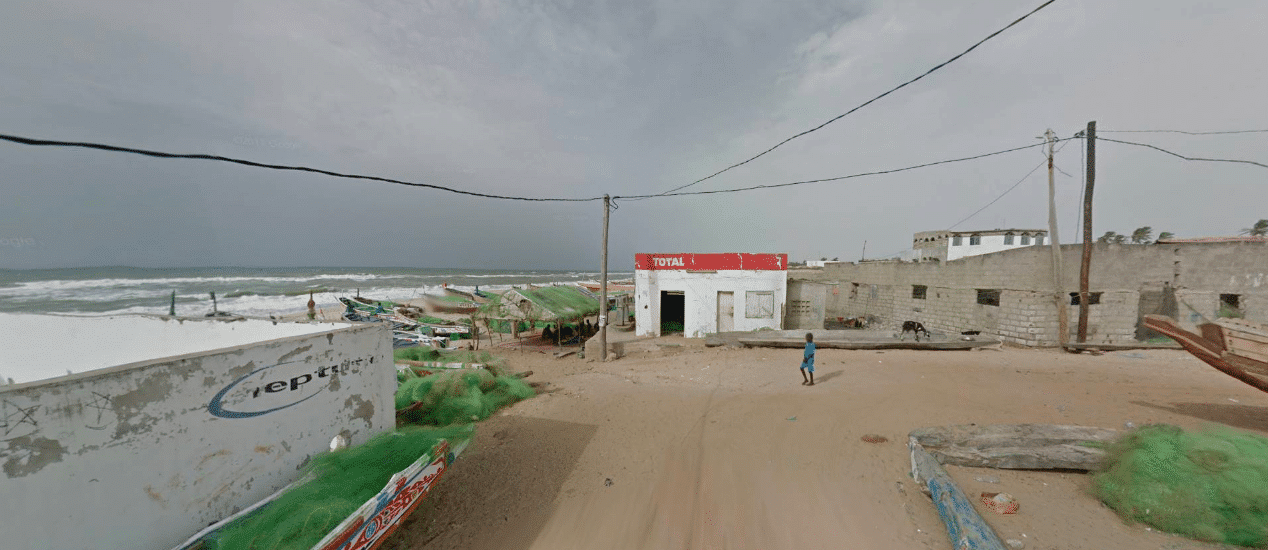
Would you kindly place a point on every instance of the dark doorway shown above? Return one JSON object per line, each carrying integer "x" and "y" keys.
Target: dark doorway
{"x": 1158, "y": 302}
{"x": 673, "y": 307}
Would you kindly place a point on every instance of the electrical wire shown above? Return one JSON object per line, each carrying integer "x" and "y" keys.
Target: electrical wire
{"x": 868, "y": 102}
{"x": 159, "y": 154}
{"x": 1181, "y": 132}
{"x": 1001, "y": 195}
{"x": 1028, "y": 174}
{"x": 837, "y": 178}
{"x": 1259, "y": 164}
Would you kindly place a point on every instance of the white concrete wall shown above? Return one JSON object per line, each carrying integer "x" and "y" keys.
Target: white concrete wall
{"x": 141, "y": 456}
{"x": 990, "y": 243}
{"x": 701, "y": 298}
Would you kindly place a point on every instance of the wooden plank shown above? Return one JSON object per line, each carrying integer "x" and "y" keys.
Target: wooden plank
{"x": 1016, "y": 446}
{"x": 1121, "y": 347}
{"x": 965, "y": 527}
{"x": 1245, "y": 327}
{"x": 872, "y": 344}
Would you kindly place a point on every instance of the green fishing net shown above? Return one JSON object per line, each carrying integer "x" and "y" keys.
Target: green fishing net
{"x": 344, "y": 480}
{"x": 1210, "y": 485}
{"x": 459, "y": 396}
{"x": 416, "y": 354}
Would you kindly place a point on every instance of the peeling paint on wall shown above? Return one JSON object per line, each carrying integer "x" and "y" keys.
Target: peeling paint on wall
{"x": 138, "y": 445}
{"x": 27, "y": 455}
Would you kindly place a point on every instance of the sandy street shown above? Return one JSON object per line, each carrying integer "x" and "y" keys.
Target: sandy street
{"x": 693, "y": 447}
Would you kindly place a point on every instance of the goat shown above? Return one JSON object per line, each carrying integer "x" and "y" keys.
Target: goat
{"x": 915, "y": 328}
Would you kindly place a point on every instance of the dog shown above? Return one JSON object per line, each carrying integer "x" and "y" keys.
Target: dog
{"x": 915, "y": 328}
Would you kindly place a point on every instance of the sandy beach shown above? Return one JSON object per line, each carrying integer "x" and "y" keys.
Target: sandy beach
{"x": 681, "y": 446}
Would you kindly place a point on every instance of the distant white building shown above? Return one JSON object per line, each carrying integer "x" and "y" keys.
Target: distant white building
{"x": 952, "y": 245}
{"x": 821, "y": 263}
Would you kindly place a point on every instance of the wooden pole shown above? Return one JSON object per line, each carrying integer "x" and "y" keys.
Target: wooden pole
{"x": 1086, "y": 265}
{"x": 603, "y": 286}
{"x": 1063, "y": 322}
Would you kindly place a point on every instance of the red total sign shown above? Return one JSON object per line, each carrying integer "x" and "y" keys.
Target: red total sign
{"x": 712, "y": 262}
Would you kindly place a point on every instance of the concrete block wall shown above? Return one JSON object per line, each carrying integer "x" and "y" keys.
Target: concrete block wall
{"x": 1027, "y": 314}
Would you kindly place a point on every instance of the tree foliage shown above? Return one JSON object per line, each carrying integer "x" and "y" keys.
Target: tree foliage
{"x": 1142, "y": 235}
{"x": 1260, "y": 229}
{"x": 1112, "y": 237}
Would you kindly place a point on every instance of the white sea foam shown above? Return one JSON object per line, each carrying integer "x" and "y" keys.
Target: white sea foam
{"x": 74, "y": 284}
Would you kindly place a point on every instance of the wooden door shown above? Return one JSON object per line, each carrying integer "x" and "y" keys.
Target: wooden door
{"x": 726, "y": 311}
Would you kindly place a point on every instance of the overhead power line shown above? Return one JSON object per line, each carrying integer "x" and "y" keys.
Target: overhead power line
{"x": 1181, "y": 132}
{"x": 866, "y": 103}
{"x": 159, "y": 154}
{"x": 1155, "y": 147}
{"x": 1001, "y": 195}
{"x": 837, "y": 178}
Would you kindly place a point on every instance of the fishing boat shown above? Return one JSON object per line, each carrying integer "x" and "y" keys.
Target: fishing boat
{"x": 370, "y": 524}
{"x": 450, "y": 304}
{"x": 479, "y": 297}
{"x": 1235, "y": 347}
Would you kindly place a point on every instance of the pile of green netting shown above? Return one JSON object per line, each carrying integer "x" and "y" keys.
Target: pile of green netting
{"x": 457, "y": 396}
{"x": 490, "y": 361}
{"x": 1210, "y": 485}
{"x": 344, "y": 480}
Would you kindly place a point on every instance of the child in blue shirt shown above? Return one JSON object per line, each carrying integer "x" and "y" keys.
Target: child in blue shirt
{"x": 808, "y": 361}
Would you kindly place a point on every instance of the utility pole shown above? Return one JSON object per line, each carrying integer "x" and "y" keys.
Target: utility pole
{"x": 603, "y": 286}
{"x": 1086, "y": 266}
{"x": 1063, "y": 322}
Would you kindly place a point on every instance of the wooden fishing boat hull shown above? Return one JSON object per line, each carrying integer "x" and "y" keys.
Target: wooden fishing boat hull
{"x": 369, "y": 526}
{"x": 1241, "y": 359}
{"x": 474, "y": 297}
{"x": 442, "y": 306}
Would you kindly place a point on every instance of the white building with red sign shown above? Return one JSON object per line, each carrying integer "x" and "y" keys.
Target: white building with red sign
{"x": 698, "y": 294}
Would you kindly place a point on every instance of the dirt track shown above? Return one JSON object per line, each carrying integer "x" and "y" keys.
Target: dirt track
{"x": 724, "y": 448}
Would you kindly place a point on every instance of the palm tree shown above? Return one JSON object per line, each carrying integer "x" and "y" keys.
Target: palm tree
{"x": 1109, "y": 237}
{"x": 1260, "y": 229}
{"x": 1142, "y": 235}
{"x": 1166, "y": 235}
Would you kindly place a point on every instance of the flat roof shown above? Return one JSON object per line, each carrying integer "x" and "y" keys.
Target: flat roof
{"x": 39, "y": 347}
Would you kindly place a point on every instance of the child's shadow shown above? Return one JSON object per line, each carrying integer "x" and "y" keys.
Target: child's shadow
{"x": 828, "y": 376}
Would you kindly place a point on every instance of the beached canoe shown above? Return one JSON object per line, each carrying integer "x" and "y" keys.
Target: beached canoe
{"x": 450, "y": 304}
{"x": 800, "y": 342}
{"x": 1234, "y": 347}
{"x": 370, "y": 525}
{"x": 480, "y": 297}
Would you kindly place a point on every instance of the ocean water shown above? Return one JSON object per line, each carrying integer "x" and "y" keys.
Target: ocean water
{"x": 245, "y": 291}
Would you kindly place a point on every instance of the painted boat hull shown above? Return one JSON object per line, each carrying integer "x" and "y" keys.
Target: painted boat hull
{"x": 370, "y": 525}
{"x": 1212, "y": 348}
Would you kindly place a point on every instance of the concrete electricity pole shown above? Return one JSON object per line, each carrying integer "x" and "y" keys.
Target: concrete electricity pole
{"x": 1063, "y": 322}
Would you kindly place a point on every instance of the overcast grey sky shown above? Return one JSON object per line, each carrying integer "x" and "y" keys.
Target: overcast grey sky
{"x": 580, "y": 98}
